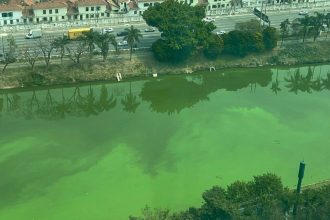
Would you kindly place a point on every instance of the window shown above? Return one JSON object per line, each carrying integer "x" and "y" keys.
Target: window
{"x": 10, "y": 14}
{"x": 44, "y": 18}
{"x": 4, "y": 15}
{"x": 102, "y": 14}
{"x": 17, "y": 20}
{"x": 44, "y": 12}
{"x": 87, "y": 9}
{"x": 37, "y": 20}
{"x": 98, "y": 8}
{"x": 214, "y": 6}
{"x": 108, "y": 14}
{"x": 87, "y": 16}
{"x": 11, "y": 22}
{"x": 92, "y": 15}
{"x": 62, "y": 17}
{"x": 135, "y": 12}
{"x": 5, "y": 22}
{"x": 24, "y": 21}
{"x": 92, "y": 8}
{"x": 50, "y": 11}
{"x": 56, "y": 11}
{"x": 146, "y": 4}
{"x": 75, "y": 17}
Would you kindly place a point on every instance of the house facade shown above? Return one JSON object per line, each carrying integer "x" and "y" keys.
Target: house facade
{"x": 10, "y": 14}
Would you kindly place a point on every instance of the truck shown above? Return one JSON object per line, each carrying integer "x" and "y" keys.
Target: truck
{"x": 35, "y": 33}
{"x": 75, "y": 33}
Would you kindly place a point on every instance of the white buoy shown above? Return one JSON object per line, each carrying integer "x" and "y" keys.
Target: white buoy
{"x": 154, "y": 74}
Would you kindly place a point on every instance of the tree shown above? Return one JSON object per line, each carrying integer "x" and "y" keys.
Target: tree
{"x": 182, "y": 30}
{"x": 76, "y": 52}
{"x": 103, "y": 41}
{"x": 31, "y": 55}
{"x": 46, "y": 48}
{"x": 10, "y": 54}
{"x": 89, "y": 39}
{"x": 214, "y": 47}
{"x": 133, "y": 36}
{"x": 316, "y": 23}
{"x": 60, "y": 43}
{"x": 270, "y": 37}
{"x": 284, "y": 28}
{"x": 305, "y": 25}
{"x": 236, "y": 43}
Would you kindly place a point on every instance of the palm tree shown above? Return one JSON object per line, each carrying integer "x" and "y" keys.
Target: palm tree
{"x": 326, "y": 82}
{"x": 130, "y": 103}
{"x": 305, "y": 23}
{"x": 327, "y": 22}
{"x": 89, "y": 39}
{"x": 316, "y": 23}
{"x": 133, "y": 36}
{"x": 284, "y": 28}
{"x": 103, "y": 41}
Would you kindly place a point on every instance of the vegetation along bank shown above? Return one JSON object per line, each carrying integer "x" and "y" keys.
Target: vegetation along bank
{"x": 196, "y": 47}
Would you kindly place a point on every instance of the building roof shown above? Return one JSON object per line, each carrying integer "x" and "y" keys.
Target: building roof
{"x": 133, "y": 5}
{"x": 50, "y": 4}
{"x": 91, "y": 2}
{"x": 10, "y": 7}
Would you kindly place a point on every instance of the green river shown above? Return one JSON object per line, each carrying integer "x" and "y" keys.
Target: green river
{"x": 105, "y": 151}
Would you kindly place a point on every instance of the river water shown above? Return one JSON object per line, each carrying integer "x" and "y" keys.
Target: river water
{"x": 105, "y": 151}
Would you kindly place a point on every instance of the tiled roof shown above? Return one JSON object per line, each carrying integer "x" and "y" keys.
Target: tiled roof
{"x": 91, "y": 2}
{"x": 10, "y": 7}
{"x": 151, "y": 1}
{"x": 50, "y": 5}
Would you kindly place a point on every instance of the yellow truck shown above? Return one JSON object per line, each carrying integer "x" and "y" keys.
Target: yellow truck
{"x": 77, "y": 32}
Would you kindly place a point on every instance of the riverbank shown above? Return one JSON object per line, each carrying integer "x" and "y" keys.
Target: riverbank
{"x": 143, "y": 64}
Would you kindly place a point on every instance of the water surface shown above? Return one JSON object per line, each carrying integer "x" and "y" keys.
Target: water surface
{"x": 105, "y": 151}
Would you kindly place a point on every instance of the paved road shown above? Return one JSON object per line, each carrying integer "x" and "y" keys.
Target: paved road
{"x": 223, "y": 23}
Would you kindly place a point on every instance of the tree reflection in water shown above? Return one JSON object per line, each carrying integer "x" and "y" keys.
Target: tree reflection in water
{"x": 276, "y": 85}
{"x": 130, "y": 102}
{"x": 50, "y": 108}
{"x": 170, "y": 94}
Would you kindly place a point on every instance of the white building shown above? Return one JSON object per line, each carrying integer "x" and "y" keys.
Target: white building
{"x": 53, "y": 11}
{"x": 93, "y": 9}
{"x": 10, "y": 14}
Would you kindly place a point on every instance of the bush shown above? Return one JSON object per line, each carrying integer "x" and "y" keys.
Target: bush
{"x": 214, "y": 48}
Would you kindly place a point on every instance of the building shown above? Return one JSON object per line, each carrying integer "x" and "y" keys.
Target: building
{"x": 11, "y": 14}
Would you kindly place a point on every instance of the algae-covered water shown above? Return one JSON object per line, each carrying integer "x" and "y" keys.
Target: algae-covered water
{"x": 105, "y": 151}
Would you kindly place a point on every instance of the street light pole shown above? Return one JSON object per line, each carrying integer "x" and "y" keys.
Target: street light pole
{"x": 300, "y": 177}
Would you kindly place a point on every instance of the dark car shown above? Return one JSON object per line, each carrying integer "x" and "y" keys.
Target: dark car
{"x": 122, "y": 33}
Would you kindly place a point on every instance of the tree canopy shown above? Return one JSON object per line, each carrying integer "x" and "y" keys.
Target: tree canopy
{"x": 182, "y": 27}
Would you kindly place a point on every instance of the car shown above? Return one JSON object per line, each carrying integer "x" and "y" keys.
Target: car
{"x": 208, "y": 19}
{"x": 107, "y": 30}
{"x": 122, "y": 33}
{"x": 303, "y": 13}
{"x": 221, "y": 32}
{"x": 123, "y": 43}
{"x": 150, "y": 29}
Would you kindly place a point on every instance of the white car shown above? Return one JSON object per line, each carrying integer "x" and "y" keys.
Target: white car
{"x": 208, "y": 19}
{"x": 303, "y": 13}
{"x": 221, "y": 32}
{"x": 107, "y": 30}
{"x": 123, "y": 43}
{"x": 150, "y": 29}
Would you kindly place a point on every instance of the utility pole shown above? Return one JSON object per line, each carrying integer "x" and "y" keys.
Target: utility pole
{"x": 300, "y": 177}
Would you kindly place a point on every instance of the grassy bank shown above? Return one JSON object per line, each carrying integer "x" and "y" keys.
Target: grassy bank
{"x": 143, "y": 64}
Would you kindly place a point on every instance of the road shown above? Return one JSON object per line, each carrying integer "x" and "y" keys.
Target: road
{"x": 223, "y": 23}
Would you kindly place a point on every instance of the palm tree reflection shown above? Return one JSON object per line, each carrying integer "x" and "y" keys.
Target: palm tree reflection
{"x": 276, "y": 85}
{"x": 130, "y": 102}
